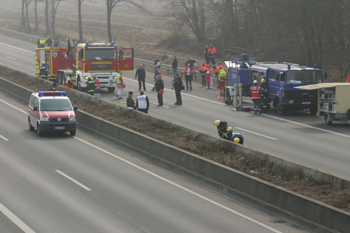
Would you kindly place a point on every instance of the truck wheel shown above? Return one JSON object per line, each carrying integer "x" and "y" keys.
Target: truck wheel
{"x": 80, "y": 88}
{"x": 63, "y": 79}
{"x": 40, "y": 132}
{"x": 313, "y": 110}
{"x": 280, "y": 109}
{"x": 59, "y": 78}
{"x": 327, "y": 119}
{"x": 31, "y": 128}
{"x": 111, "y": 89}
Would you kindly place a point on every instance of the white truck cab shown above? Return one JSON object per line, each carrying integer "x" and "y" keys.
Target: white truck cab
{"x": 51, "y": 111}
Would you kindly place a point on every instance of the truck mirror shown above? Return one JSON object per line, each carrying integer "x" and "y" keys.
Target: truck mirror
{"x": 325, "y": 75}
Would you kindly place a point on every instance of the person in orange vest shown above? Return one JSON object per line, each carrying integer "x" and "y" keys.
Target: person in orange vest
{"x": 120, "y": 84}
{"x": 217, "y": 69}
{"x": 209, "y": 78}
{"x": 255, "y": 91}
{"x": 348, "y": 80}
{"x": 212, "y": 54}
{"x": 188, "y": 76}
{"x": 221, "y": 80}
{"x": 203, "y": 71}
{"x": 97, "y": 82}
{"x": 69, "y": 82}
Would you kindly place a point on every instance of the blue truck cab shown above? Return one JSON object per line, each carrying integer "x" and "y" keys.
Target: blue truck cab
{"x": 281, "y": 80}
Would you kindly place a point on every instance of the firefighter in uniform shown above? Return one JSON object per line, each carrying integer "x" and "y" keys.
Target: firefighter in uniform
{"x": 232, "y": 136}
{"x": 222, "y": 127}
{"x": 255, "y": 91}
{"x": 90, "y": 85}
{"x": 263, "y": 96}
{"x": 44, "y": 72}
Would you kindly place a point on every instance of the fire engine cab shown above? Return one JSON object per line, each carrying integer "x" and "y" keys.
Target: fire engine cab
{"x": 51, "y": 111}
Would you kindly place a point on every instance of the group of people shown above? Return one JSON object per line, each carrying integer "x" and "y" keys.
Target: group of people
{"x": 259, "y": 96}
{"x": 41, "y": 42}
{"x": 226, "y": 132}
{"x": 141, "y": 103}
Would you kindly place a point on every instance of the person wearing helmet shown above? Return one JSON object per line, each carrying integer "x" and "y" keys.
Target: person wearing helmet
{"x": 44, "y": 72}
{"x": 263, "y": 96}
{"x": 90, "y": 85}
{"x": 222, "y": 127}
{"x": 209, "y": 77}
{"x": 255, "y": 91}
{"x": 232, "y": 136}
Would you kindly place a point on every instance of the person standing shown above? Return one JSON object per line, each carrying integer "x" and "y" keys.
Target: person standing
{"x": 157, "y": 72}
{"x": 209, "y": 77}
{"x": 130, "y": 104}
{"x": 174, "y": 66}
{"x": 42, "y": 42}
{"x": 141, "y": 75}
{"x": 142, "y": 103}
{"x": 222, "y": 127}
{"x": 348, "y": 80}
{"x": 178, "y": 88}
{"x": 188, "y": 76}
{"x": 203, "y": 71}
{"x": 222, "y": 80}
{"x": 56, "y": 43}
{"x": 212, "y": 54}
{"x": 191, "y": 62}
{"x": 120, "y": 84}
{"x": 217, "y": 70}
{"x": 157, "y": 62}
{"x": 49, "y": 42}
{"x": 69, "y": 82}
{"x": 207, "y": 55}
{"x": 263, "y": 96}
{"x": 159, "y": 86}
{"x": 90, "y": 85}
{"x": 255, "y": 91}
{"x": 44, "y": 72}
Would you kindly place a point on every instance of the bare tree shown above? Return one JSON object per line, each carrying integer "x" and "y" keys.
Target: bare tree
{"x": 111, "y": 5}
{"x": 22, "y": 15}
{"x": 27, "y": 16}
{"x": 54, "y": 6}
{"x": 47, "y": 16}
{"x": 188, "y": 12}
{"x": 36, "y": 14}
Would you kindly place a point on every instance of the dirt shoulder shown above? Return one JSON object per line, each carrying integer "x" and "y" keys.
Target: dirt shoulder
{"x": 336, "y": 196}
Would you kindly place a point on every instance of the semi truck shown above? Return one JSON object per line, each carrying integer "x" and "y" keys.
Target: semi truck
{"x": 83, "y": 60}
{"x": 281, "y": 80}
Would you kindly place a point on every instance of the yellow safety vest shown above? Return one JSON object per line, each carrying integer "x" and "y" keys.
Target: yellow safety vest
{"x": 117, "y": 79}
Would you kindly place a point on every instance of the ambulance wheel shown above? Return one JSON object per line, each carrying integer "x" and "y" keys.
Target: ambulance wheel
{"x": 31, "y": 128}
{"x": 313, "y": 110}
{"x": 280, "y": 109}
{"x": 111, "y": 89}
{"x": 327, "y": 120}
{"x": 39, "y": 131}
{"x": 72, "y": 133}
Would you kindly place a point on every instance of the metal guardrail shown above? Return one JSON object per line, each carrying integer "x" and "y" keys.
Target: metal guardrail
{"x": 33, "y": 38}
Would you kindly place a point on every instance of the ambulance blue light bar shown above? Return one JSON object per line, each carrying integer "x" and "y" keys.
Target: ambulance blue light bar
{"x": 51, "y": 93}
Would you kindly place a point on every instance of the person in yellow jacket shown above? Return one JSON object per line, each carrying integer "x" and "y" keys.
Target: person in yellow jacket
{"x": 221, "y": 80}
{"x": 120, "y": 84}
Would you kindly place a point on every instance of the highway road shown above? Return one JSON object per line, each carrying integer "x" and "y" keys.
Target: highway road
{"x": 299, "y": 137}
{"x": 61, "y": 184}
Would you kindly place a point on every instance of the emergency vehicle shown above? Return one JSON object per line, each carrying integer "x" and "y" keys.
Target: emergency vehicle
{"x": 51, "y": 111}
{"x": 83, "y": 60}
{"x": 281, "y": 80}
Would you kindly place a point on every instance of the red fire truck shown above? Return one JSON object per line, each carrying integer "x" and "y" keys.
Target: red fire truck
{"x": 82, "y": 60}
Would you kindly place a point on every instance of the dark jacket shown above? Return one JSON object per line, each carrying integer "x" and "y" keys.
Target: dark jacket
{"x": 141, "y": 73}
{"x": 56, "y": 43}
{"x": 49, "y": 42}
{"x": 178, "y": 83}
{"x": 174, "y": 65}
{"x": 264, "y": 90}
{"x": 90, "y": 86}
{"x": 43, "y": 71}
{"x": 130, "y": 102}
{"x": 191, "y": 62}
{"x": 159, "y": 84}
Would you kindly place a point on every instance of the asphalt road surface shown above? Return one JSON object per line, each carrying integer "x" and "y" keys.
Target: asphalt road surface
{"x": 61, "y": 184}
{"x": 299, "y": 137}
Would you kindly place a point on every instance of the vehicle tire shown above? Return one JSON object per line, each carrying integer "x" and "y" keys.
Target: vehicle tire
{"x": 275, "y": 102}
{"x": 63, "y": 79}
{"x": 280, "y": 109}
{"x": 313, "y": 110}
{"x": 72, "y": 133}
{"x": 31, "y": 128}
{"x": 79, "y": 86}
{"x": 39, "y": 131}
{"x": 348, "y": 114}
{"x": 59, "y": 78}
{"x": 111, "y": 89}
{"x": 327, "y": 119}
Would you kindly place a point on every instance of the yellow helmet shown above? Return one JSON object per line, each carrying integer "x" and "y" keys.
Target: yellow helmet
{"x": 229, "y": 129}
{"x": 89, "y": 77}
{"x": 263, "y": 80}
{"x": 236, "y": 140}
{"x": 217, "y": 122}
{"x": 43, "y": 63}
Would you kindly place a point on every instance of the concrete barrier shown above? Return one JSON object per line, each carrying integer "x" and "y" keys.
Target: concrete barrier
{"x": 316, "y": 215}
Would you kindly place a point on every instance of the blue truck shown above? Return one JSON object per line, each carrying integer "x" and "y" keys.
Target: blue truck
{"x": 281, "y": 80}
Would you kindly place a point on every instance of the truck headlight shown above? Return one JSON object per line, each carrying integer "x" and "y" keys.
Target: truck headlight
{"x": 71, "y": 118}
{"x": 291, "y": 102}
{"x": 44, "y": 119}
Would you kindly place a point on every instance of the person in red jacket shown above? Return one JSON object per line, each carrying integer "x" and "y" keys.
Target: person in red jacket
{"x": 188, "y": 76}
{"x": 348, "y": 80}
{"x": 255, "y": 91}
{"x": 69, "y": 82}
{"x": 209, "y": 78}
{"x": 203, "y": 71}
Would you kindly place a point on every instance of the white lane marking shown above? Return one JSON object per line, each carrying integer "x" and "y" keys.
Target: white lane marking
{"x": 15, "y": 219}
{"x": 11, "y": 58}
{"x": 180, "y": 187}
{"x": 5, "y": 139}
{"x": 193, "y": 96}
{"x": 162, "y": 106}
{"x": 14, "y": 107}
{"x": 308, "y": 126}
{"x": 257, "y": 134}
{"x": 73, "y": 180}
{"x": 17, "y": 48}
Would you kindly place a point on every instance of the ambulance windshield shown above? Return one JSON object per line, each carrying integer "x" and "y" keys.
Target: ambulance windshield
{"x": 55, "y": 105}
